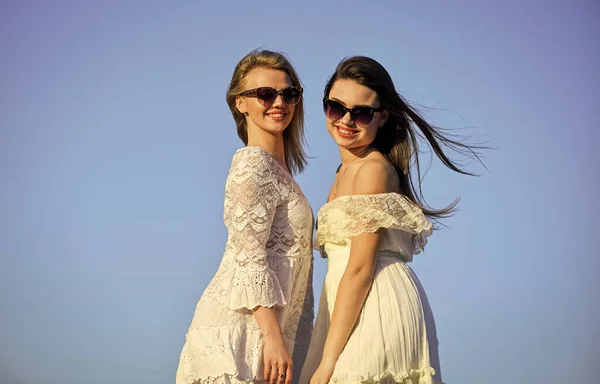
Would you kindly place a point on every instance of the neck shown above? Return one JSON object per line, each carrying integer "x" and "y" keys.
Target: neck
{"x": 273, "y": 144}
{"x": 348, "y": 155}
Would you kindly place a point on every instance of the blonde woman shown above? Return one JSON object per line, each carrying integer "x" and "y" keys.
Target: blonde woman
{"x": 259, "y": 302}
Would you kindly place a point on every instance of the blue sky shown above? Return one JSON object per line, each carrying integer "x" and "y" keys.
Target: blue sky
{"x": 115, "y": 141}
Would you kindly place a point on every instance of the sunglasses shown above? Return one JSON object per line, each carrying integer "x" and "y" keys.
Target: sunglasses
{"x": 267, "y": 95}
{"x": 360, "y": 115}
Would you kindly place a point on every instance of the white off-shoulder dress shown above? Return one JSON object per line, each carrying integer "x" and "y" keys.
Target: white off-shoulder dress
{"x": 267, "y": 262}
{"x": 394, "y": 340}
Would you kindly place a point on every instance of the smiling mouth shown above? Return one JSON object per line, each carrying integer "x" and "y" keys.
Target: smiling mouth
{"x": 346, "y": 131}
{"x": 278, "y": 115}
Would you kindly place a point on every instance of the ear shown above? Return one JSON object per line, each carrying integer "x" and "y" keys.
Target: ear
{"x": 384, "y": 117}
{"x": 240, "y": 104}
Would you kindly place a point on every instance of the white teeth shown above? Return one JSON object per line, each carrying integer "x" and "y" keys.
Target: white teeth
{"x": 346, "y": 132}
{"x": 276, "y": 115}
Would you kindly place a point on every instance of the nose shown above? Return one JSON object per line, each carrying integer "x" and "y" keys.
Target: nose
{"x": 347, "y": 119}
{"x": 278, "y": 101}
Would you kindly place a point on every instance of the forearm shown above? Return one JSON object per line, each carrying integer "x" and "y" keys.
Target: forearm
{"x": 267, "y": 321}
{"x": 352, "y": 292}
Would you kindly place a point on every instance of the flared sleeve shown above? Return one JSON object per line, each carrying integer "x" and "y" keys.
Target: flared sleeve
{"x": 251, "y": 198}
{"x": 353, "y": 215}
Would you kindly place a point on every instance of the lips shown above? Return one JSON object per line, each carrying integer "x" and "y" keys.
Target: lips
{"x": 346, "y": 132}
{"x": 277, "y": 115}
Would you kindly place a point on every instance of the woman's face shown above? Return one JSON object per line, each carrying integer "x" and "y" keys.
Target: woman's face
{"x": 356, "y": 129}
{"x": 272, "y": 115}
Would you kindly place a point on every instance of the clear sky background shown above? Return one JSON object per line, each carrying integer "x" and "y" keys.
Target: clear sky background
{"x": 115, "y": 142}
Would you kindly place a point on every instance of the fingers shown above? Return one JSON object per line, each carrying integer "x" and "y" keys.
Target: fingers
{"x": 278, "y": 370}
{"x": 280, "y": 373}
{"x": 273, "y": 374}
{"x": 289, "y": 373}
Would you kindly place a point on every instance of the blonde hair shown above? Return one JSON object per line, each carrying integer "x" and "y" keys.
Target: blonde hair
{"x": 293, "y": 135}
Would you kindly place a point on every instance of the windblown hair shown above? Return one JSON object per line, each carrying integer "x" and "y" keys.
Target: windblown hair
{"x": 397, "y": 138}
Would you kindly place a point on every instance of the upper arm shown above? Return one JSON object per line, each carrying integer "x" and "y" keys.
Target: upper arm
{"x": 252, "y": 197}
{"x": 372, "y": 178}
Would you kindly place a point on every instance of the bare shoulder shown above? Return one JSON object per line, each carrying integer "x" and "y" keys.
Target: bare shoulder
{"x": 375, "y": 175}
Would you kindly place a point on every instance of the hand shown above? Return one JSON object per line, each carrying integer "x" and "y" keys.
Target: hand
{"x": 323, "y": 372}
{"x": 278, "y": 363}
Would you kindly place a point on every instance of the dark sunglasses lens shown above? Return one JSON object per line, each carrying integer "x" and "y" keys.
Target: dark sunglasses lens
{"x": 266, "y": 94}
{"x": 362, "y": 116}
{"x": 333, "y": 110}
{"x": 291, "y": 96}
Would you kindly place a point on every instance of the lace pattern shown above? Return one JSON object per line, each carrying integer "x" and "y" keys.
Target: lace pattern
{"x": 352, "y": 215}
{"x": 267, "y": 262}
{"x": 251, "y": 199}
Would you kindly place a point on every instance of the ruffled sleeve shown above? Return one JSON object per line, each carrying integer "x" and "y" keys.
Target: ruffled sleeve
{"x": 251, "y": 198}
{"x": 353, "y": 215}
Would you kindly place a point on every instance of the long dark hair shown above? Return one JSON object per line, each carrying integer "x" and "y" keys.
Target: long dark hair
{"x": 397, "y": 138}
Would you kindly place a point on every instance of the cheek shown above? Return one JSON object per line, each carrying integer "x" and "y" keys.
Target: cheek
{"x": 329, "y": 125}
{"x": 291, "y": 112}
{"x": 253, "y": 109}
{"x": 372, "y": 132}
{"x": 289, "y": 117}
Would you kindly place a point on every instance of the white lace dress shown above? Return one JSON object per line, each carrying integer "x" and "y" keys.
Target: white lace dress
{"x": 267, "y": 262}
{"x": 394, "y": 340}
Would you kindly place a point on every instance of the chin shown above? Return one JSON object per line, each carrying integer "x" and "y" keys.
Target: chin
{"x": 351, "y": 143}
{"x": 274, "y": 129}
{"x": 346, "y": 142}
{"x": 277, "y": 127}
